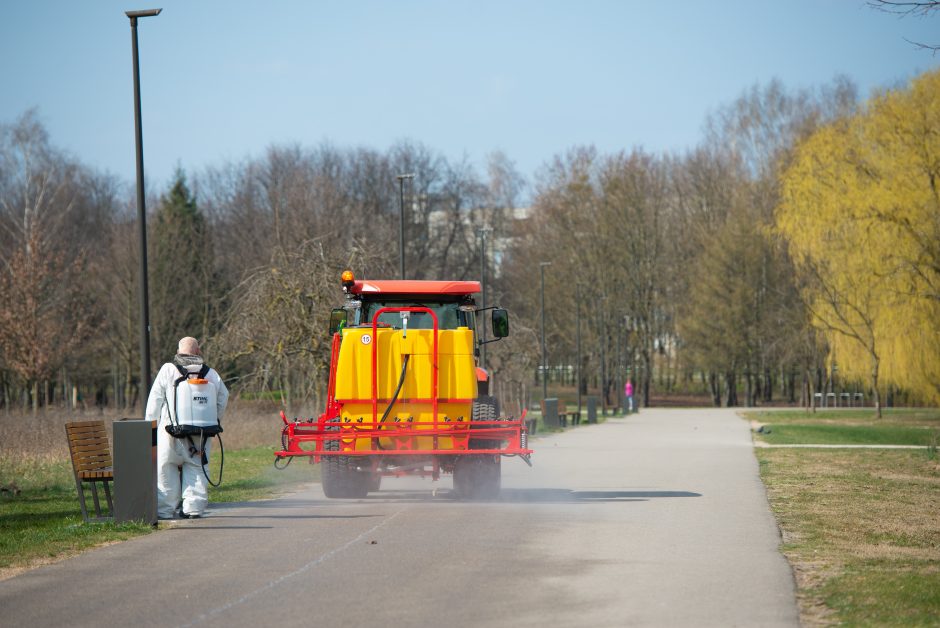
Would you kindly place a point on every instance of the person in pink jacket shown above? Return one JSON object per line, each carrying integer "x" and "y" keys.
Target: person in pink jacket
{"x": 628, "y": 393}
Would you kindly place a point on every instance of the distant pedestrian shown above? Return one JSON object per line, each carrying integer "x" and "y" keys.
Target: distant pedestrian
{"x": 628, "y": 393}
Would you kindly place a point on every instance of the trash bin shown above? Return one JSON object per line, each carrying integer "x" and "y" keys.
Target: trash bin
{"x": 592, "y": 409}
{"x": 135, "y": 471}
{"x": 550, "y": 410}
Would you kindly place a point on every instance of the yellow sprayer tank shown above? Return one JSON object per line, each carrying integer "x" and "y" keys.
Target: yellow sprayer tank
{"x": 456, "y": 381}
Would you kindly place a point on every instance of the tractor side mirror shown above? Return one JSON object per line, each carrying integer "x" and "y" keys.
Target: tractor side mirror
{"x": 337, "y": 320}
{"x": 500, "y": 323}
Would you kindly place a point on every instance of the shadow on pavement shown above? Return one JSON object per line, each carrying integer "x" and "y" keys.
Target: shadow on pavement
{"x": 560, "y": 495}
{"x": 530, "y": 495}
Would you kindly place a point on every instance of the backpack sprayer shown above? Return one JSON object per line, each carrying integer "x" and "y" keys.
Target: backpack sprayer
{"x": 195, "y": 413}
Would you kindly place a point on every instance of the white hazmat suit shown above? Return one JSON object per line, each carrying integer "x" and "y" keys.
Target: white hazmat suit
{"x": 173, "y": 457}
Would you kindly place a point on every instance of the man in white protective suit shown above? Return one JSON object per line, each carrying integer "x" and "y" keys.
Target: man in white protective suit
{"x": 180, "y": 473}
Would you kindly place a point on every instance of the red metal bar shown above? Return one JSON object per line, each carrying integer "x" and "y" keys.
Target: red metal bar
{"x": 375, "y": 354}
{"x": 508, "y": 431}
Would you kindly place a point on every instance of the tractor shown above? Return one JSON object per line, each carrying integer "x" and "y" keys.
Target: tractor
{"x": 406, "y": 395}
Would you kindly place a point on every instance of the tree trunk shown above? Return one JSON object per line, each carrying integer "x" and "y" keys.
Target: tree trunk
{"x": 714, "y": 386}
{"x": 758, "y": 389}
{"x": 647, "y": 375}
{"x": 874, "y": 386}
{"x": 731, "y": 384}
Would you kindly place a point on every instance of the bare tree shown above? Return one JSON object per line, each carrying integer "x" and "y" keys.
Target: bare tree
{"x": 916, "y": 8}
{"x": 48, "y": 210}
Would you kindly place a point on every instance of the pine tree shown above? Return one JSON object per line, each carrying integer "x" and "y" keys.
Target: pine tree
{"x": 184, "y": 295}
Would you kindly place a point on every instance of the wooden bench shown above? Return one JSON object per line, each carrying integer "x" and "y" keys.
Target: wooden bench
{"x": 91, "y": 464}
{"x": 564, "y": 414}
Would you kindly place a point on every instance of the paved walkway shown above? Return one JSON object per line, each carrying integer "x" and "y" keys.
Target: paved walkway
{"x": 655, "y": 520}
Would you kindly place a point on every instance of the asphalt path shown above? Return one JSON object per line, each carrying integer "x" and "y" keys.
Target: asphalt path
{"x": 659, "y": 519}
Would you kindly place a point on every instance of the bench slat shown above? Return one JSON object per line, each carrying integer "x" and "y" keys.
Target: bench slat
{"x": 91, "y": 457}
{"x": 76, "y": 438}
{"x": 92, "y": 462}
{"x": 87, "y": 429}
{"x": 100, "y": 445}
{"x": 99, "y": 474}
{"x": 101, "y": 441}
{"x": 78, "y": 425}
{"x": 90, "y": 442}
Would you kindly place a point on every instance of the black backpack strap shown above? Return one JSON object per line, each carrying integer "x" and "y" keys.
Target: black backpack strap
{"x": 203, "y": 371}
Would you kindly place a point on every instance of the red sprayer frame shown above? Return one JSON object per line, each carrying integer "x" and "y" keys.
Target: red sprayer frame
{"x": 508, "y": 435}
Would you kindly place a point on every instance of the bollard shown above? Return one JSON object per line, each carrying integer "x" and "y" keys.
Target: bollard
{"x": 592, "y": 409}
{"x": 550, "y": 412}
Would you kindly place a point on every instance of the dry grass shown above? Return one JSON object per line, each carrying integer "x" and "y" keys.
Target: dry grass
{"x": 34, "y": 448}
{"x": 862, "y": 530}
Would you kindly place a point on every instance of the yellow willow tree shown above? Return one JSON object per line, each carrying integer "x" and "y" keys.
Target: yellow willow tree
{"x": 900, "y": 142}
{"x": 861, "y": 215}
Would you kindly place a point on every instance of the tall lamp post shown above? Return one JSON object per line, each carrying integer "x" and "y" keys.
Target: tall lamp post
{"x": 604, "y": 354}
{"x": 577, "y": 306}
{"x": 542, "y": 266}
{"x": 141, "y": 215}
{"x": 401, "y": 221}
{"x": 483, "y": 231}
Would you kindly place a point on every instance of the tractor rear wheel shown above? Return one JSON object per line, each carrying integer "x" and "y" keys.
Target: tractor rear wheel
{"x": 485, "y": 409}
{"x": 477, "y": 477}
{"x": 339, "y": 475}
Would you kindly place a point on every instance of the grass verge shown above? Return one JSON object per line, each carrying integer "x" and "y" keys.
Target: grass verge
{"x": 42, "y": 522}
{"x": 861, "y": 528}
{"x": 799, "y": 433}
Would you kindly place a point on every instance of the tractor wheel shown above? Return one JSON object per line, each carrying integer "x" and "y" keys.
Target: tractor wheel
{"x": 375, "y": 481}
{"x": 485, "y": 409}
{"x": 339, "y": 475}
{"x": 477, "y": 477}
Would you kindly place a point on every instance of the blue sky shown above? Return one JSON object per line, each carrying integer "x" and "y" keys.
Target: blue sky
{"x": 223, "y": 80}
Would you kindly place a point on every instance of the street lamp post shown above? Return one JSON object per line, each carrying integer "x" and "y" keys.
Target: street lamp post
{"x": 577, "y": 306}
{"x": 401, "y": 221}
{"x": 141, "y": 215}
{"x": 483, "y": 231}
{"x": 604, "y": 354}
{"x": 542, "y": 266}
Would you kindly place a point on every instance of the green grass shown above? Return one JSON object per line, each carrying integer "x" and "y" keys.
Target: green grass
{"x": 858, "y": 595}
{"x": 828, "y": 434}
{"x": 44, "y": 522}
{"x": 41, "y": 524}
{"x": 892, "y": 416}
{"x": 249, "y": 474}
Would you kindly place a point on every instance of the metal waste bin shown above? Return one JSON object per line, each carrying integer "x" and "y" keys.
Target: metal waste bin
{"x": 592, "y": 409}
{"x": 135, "y": 471}
{"x": 550, "y": 418}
